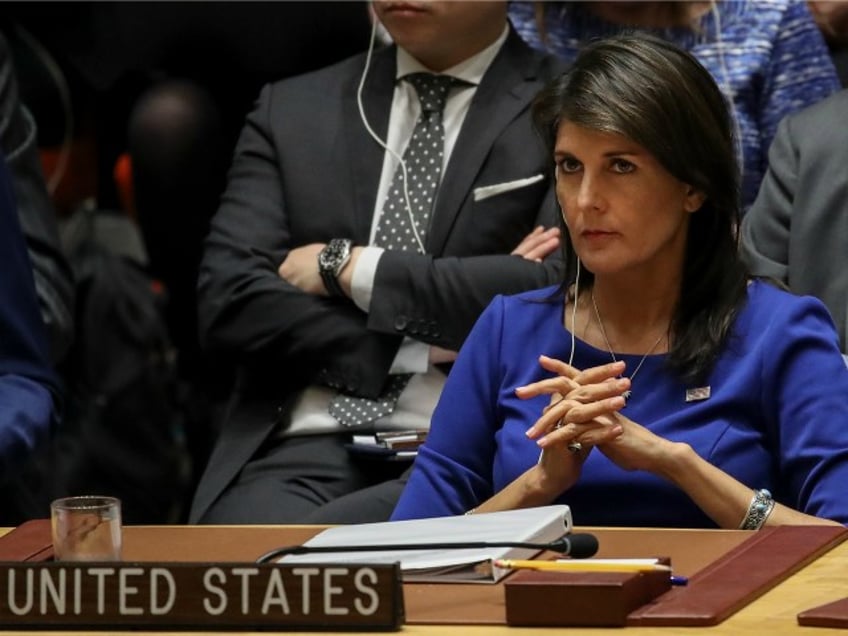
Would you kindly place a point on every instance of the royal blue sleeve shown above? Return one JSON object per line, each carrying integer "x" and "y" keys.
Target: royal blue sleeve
{"x": 453, "y": 470}
{"x": 27, "y": 382}
{"x": 805, "y": 397}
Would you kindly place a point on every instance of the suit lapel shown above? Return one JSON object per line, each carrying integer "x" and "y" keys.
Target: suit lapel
{"x": 507, "y": 87}
{"x": 363, "y": 155}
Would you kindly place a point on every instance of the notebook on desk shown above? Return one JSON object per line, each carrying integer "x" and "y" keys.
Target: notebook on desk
{"x": 534, "y": 525}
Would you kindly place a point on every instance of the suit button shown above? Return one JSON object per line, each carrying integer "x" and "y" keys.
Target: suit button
{"x": 401, "y": 322}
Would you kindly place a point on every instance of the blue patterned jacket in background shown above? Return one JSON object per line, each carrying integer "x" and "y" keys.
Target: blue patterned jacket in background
{"x": 767, "y": 55}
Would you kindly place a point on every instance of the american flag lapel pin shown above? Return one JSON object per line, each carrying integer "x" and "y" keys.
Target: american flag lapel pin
{"x": 697, "y": 394}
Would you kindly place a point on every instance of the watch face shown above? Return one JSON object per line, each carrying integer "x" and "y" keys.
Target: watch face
{"x": 326, "y": 258}
{"x": 333, "y": 254}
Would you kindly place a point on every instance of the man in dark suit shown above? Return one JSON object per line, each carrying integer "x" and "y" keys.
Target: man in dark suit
{"x": 318, "y": 299}
{"x": 797, "y": 229}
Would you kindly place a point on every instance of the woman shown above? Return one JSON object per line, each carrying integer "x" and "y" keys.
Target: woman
{"x": 767, "y": 55}
{"x": 676, "y": 391}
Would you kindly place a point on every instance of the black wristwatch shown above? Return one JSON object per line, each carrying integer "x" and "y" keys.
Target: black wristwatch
{"x": 331, "y": 261}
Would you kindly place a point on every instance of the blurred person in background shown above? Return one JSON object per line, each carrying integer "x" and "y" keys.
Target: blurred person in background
{"x": 768, "y": 56}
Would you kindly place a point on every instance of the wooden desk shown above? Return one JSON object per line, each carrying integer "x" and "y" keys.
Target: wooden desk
{"x": 774, "y": 613}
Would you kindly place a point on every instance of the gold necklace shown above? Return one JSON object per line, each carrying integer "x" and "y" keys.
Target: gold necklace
{"x": 627, "y": 393}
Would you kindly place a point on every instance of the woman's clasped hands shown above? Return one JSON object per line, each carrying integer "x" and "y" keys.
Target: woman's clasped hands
{"x": 584, "y": 413}
{"x": 581, "y": 414}
{"x": 583, "y": 404}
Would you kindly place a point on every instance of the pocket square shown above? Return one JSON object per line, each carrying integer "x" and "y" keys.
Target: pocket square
{"x": 485, "y": 192}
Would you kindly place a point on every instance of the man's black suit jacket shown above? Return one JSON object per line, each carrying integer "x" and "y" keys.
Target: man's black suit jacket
{"x": 305, "y": 170}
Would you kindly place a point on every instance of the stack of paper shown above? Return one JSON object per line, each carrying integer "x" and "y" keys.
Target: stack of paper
{"x": 533, "y": 525}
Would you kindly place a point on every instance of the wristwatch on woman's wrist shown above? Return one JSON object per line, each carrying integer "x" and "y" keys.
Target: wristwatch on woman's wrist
{"x": 331, "y": 261}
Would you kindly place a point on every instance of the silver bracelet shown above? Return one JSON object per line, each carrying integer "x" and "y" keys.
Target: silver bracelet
{"x": 762, "y": 503}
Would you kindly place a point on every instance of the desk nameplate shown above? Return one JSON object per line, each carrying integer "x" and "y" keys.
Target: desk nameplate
{"x": 220, "y": 596}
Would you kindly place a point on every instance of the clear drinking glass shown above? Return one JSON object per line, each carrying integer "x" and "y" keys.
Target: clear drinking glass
{"x": 86, "y": 528}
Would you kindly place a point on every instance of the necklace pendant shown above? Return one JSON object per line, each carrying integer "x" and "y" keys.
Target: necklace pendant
{"x": 627, "y": 394}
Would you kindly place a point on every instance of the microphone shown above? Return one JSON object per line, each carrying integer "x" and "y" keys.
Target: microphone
{"x": 577, "y": 546}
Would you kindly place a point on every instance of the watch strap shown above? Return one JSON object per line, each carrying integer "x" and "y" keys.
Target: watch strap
{"x": 331, "y": 261}
{"x": 331, "y": 283}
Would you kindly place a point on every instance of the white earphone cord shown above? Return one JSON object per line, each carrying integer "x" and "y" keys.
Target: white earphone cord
{"x": 573, "y": 323}
{"x": 574, "y": 312}
{"x": 382, "y": 143}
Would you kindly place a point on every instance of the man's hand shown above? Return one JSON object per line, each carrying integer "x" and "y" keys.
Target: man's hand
{"x": 538, "y": 244}
{"x": 300, "y": 268}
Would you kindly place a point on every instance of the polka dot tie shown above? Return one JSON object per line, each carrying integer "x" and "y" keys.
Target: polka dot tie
{"x": 423, "y": 158}
{"x": 356, "y": 412}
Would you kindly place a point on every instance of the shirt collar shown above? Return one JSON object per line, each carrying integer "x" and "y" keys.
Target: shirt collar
{"x": 470, "y": 70}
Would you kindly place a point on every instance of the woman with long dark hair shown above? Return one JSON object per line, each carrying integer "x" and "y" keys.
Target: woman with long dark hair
{"x": 659, "y": 385}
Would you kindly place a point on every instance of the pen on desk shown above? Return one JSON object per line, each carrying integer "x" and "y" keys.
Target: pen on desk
{"x": 580, "y": 565}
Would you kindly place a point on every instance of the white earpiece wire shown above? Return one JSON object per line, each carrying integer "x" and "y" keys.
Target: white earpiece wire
{"x": 382, "y": 143}
{"x": 574, "y": 311}
{"x": 573, "y": 325}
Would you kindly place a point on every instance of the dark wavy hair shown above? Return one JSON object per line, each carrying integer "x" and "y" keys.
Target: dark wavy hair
{"x": 659, "y": 96}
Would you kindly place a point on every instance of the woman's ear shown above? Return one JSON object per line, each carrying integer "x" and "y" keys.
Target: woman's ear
{"x": 694, "y": 199}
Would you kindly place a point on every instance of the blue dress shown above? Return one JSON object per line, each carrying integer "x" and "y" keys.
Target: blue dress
{"x": 776, "y": 418}
{"x": 27, "y": 382}
{"x": 767, "y": 55}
